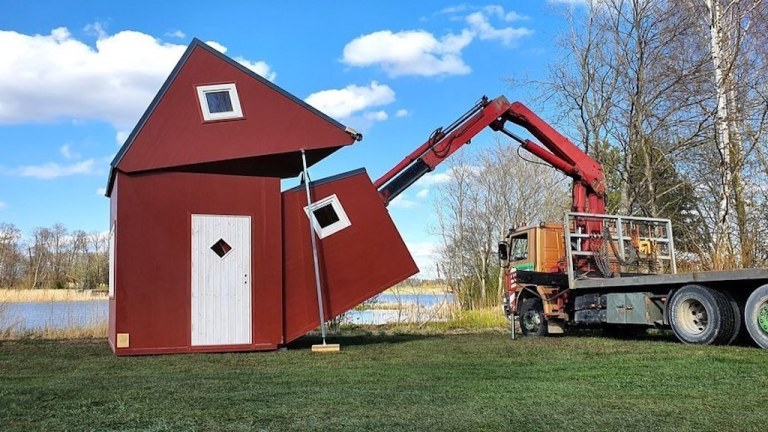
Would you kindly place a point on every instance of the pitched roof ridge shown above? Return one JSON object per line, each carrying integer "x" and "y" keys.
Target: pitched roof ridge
{"x": 195, "y": 43}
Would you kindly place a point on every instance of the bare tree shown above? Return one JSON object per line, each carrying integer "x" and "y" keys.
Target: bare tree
{"x": 11, "y": 260}
{"x": 53, "y": 258}
{"x": 735, "y": 110}
{"x": 489, "y": 192}
{"x": 677, "y": 120}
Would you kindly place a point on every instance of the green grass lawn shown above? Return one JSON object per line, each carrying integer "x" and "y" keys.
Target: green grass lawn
{"x": 466, "y": 382}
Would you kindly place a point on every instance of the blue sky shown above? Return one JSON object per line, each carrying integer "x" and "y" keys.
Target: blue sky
{"x": 76, "y": 76}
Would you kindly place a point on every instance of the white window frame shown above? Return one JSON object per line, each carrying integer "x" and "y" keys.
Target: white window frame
{"x": 237, "y": 110}
{"x": 333, "y": 228}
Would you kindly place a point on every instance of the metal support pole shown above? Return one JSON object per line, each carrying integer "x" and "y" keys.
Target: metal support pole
{"x": 672, "y": 258}
{"x": 512, "y": 326}
{"x": 620, "y": 235}
{"x": 314, "y": 247}
{"x": 568, "y": 251}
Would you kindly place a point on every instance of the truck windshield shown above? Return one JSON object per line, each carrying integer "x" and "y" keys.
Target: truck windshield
{"x": 518, "y": 248}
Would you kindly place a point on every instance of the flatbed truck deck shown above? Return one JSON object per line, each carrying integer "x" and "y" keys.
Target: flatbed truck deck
{"x": 630, "y": 283}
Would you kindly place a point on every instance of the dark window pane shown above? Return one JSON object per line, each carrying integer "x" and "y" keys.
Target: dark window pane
{"x": 325, "y": 215}
{"x": 519, "y": 248}
{"x": 219, "y": 102}
{"x": 221, "y": 248}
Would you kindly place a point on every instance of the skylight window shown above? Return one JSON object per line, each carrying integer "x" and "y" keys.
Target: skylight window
{"x": 327, "y": 216}
{"x": 219, "y": 102}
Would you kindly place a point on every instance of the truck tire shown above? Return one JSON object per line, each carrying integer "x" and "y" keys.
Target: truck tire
{"x": 700, "y": 315}
{"x": 532, "y": 321}
{"x": 738, "y": 321}
{"x": 756, "y": 316}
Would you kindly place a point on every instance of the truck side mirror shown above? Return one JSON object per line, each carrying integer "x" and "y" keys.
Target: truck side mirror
{"x": 503, "y": 254}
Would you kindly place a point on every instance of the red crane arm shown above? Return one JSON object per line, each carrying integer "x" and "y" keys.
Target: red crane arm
{"x": 441, "y": 144}
{"x": 587, "y": 173}
{"x": 562, "y": 154}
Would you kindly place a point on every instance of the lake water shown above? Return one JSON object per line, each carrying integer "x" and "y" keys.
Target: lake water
{"x": 36, "y": 315}
{"x": 426, "y": 300}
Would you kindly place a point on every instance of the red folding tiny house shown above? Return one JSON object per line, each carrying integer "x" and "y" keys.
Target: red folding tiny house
{"x": 206, "y": 253}
{"x": 357, "y": 262}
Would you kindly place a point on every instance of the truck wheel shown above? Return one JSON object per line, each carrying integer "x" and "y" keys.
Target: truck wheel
{"x": 701, "y": 315}
{"x": 756, "y": 316}
{"x": 737, "y": 318}
{"x": 532, "y": 321}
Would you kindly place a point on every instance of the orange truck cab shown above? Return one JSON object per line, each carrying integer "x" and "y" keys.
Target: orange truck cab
{"x": 535, "y": 248}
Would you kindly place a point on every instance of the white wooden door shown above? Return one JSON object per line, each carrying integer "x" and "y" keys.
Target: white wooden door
{"x": 221, "y": 280}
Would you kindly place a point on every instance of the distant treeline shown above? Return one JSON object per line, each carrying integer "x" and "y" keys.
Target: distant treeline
{"x": 53, "y": 257}
{"x": 415, "y": 282}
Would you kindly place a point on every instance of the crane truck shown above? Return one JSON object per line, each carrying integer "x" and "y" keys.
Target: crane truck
{"x": 594, "y": 269}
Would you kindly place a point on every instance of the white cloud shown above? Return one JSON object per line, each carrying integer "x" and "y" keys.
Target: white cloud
{"x": 68, "y": 153}
{"x": 176, "y": 34}
{"x": 434, "y": 178}
{"x": 260, "y": 67}
{"x": 504, "y": 15}
{"x": 403, "y": 202}
{"x": 54, "y": 76}
{"x": 96, "y": 29}
{"x": 570, "y": 2}
{"x": 376, "y": 115}
{"x": 101, "y": 191}
{"x": 453, "y": 9}
{"x": 2, "y": 205}
{"x": 401, "y": 113}
{"x": 217, "y": 46}
{"x": 52, "y": 170}
{"x": 343, "y": 103}
{"x": 414, "y": 52}
{"x": 480, "y": 24}
{"x": 419, "y": 52}
{"x": 490, "y": 9}
{"x": 425, "y": 255}
{"x": 422, "y": 193}
{"x": 121, "y": 136}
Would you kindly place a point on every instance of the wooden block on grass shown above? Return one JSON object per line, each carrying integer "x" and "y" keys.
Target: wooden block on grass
{"x": 326, "y": 348}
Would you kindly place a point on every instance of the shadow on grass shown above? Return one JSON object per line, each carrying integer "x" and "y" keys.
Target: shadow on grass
{"x": 627, "y": 333}
{"x": 359, "y": 339}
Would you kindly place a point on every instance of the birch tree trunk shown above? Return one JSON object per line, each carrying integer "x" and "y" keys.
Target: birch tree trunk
{"x": 719, "y": 48}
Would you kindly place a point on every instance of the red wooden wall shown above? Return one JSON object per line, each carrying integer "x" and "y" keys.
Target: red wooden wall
{"x": 357, "y": 262}
{"x": 153, "y": 256}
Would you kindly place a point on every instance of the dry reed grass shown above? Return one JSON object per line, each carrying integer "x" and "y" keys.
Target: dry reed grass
{"x": 90, "y": 331}
{"x": 408, "y": 312}
{"x": 430, "y": 289}
{"x": 7, "y": 325}
{"x": 47, "y": 295}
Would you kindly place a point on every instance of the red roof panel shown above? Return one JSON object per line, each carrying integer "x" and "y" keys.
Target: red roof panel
{"x": 173, "y": 134}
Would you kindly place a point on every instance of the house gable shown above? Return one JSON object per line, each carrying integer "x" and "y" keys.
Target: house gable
{"x": 273, "y": 124}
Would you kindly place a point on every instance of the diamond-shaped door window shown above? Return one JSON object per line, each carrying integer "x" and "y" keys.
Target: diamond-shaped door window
{"x": 221, "y": 248}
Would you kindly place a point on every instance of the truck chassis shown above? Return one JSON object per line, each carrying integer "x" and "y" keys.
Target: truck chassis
{"x": 710, "y": 307}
